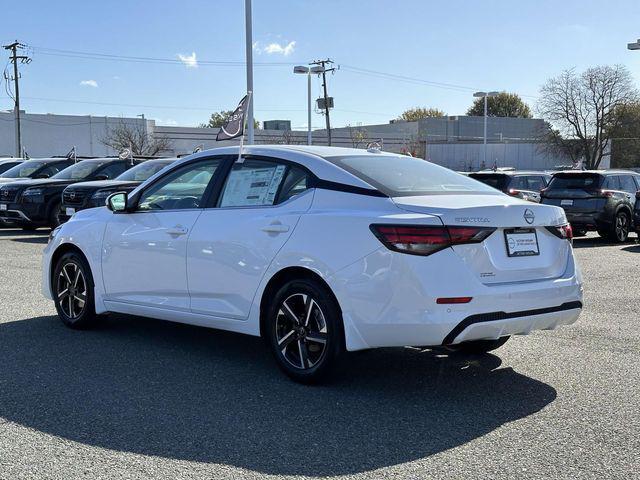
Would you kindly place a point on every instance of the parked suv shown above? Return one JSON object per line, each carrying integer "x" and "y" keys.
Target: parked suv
{"x": 7, "y": 163}
{"x": 601, "y": 200}
{"x": 35, "y": 168}
{"x": 83, "y": 195}
{"x": 36, "y": 203}
{"x": 525, "y": 185}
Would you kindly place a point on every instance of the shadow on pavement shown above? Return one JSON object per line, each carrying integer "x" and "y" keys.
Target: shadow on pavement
{"x": 596, "y": 241}
{"x": 176, "y": 391}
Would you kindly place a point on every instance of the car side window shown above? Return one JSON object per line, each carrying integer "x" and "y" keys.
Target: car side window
{"x": 113, "y": 170}
{"x": 535, "y": 183}
{"x": 518, "y": 183}
{"x": 254, "y": 183}
{"x": 296, "y": 182}
{"x": 181, "y": 189}
{"x": 627, "y": 183}
{"x": 611, "y": 183}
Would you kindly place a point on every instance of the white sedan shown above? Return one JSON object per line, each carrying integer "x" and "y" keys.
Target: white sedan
{"x": 319, "y": 250}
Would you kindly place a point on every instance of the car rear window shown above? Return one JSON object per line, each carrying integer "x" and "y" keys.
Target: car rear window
{"x": 569, "y": 181}
{"x": 493, "y": 180}
{"x": 401, "y": 176}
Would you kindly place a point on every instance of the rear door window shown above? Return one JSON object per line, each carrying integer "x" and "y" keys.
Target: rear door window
{"x": 611, "y": 183}
{"x": 627, "y": 184}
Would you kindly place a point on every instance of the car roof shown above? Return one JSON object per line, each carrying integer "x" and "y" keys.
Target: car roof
{"x": 315, "y": 158}
{"x": 598, "y": 172}
{"x": 511, "y": 172}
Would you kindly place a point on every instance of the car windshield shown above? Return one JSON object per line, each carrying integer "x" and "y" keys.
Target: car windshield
{"x": 572, "y": 181}
{"x": 399, "y": 175}
{"x": 80, "y": 170}
{"x": 141, "y": 172}
{"x": 493, "y": 180}
{"x": 24, "y": 170}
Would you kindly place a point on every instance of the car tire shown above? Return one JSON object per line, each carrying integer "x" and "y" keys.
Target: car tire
{"x": 72, "y": 289}
{"x": 304, "y": 330}
{"x": 480, "y": 346}
{"x": 619, "y": 232}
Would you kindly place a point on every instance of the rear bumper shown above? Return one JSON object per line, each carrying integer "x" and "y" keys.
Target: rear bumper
{"x": 588, "y": 221}
{"x": 389, "y": 299}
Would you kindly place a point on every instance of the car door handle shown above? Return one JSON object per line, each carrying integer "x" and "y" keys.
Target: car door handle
{"x": 275, "y": 228}
{"x": 177, "y": 230}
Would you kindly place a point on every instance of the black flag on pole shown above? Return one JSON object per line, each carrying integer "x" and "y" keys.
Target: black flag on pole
{"x": 235, "y": 123}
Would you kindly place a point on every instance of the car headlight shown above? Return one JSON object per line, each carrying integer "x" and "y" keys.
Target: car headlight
{"x": 99, "y": 199}
{"x": 54, "y": 232}
{"x": 33, "y": 195}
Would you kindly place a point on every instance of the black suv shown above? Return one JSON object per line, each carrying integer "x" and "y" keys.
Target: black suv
{"x": 601, "y": 200}
{"x": 36, "y": 203}
{"x": 82, "y": 195}
{"x": 35, "y": 168}
{"x": 525, "y": 185}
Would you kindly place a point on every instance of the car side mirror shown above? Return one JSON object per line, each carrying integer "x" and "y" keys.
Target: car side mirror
{"x": 117, "y": 202}
{"x": 102, "y": 177}
{"x": 43, "y": 175}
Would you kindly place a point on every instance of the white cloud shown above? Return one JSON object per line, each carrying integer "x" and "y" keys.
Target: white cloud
{"x": 189, "y": 60}
{"x": 89, "y": 83}
{"x": 275, "y": 48}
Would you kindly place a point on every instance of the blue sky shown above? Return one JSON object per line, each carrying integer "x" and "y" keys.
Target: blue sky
{"x": 493, "y": 44}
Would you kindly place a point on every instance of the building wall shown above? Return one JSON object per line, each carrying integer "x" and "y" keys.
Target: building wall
{"x": 48, "y": 134}
{"x": 471, "y": 129}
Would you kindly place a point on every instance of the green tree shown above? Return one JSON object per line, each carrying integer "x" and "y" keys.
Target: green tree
{"x": 218, "y": 119}
{"x": 502, "y": 105}
{"x": 625, "y": 135}
{"x": 418, "y": 113}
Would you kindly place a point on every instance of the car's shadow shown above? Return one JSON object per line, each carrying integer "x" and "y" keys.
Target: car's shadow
{"x": 156, "y": 388}
{"x": 591, "y": 241}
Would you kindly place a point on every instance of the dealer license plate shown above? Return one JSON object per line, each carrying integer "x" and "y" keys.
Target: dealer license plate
{"x": 566, "y": 202}
{"x": 521, "y": 242}
{"x": 70, "y": 211}
{"x": 3, "y": 206}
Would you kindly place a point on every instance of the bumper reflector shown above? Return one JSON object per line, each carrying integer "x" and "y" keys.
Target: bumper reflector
{"x": 452, "y": 300}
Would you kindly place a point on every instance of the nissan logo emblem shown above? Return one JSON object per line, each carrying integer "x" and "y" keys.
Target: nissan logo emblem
{"x": 72, "y": 195}
{"x": 529, "y": 216}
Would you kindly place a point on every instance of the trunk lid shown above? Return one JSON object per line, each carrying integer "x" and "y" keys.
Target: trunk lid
{"x": 510, "y": 216}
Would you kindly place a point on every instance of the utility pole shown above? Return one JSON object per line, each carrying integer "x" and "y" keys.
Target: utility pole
{"x": 249, "y": 55}
{"x": 323, "y": 64}
{"x": 23, "y": 59}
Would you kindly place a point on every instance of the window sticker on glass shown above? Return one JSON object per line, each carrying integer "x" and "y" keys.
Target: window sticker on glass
{"x": 252, "y": 186}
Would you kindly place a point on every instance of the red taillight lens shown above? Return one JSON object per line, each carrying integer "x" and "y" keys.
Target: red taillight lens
{"x": 425, "y": 240}
{"x": 562, "y": 231}
{"x": 606, "y": 193}
{"x": 453, "y": 300}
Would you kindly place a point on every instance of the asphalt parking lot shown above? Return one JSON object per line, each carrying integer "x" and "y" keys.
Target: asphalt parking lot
{"x": 138, "y": 398}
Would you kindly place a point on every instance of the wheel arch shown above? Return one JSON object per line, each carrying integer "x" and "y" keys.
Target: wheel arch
{"x": 283, "y": 276}
{"x": 63, "y": 249}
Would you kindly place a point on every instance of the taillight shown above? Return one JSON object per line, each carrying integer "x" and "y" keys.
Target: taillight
{"x": 606, "y": 193}
{"x": 513, "y": 191}
{"x": 424, "y": 239}
{"x": 562, "y": 231}
{"x": 638, "y": 194}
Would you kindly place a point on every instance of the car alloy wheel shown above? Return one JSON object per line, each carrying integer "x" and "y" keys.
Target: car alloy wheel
{"x": 622, "y": 227}
{"x": 301, "y": 331}
{"x": 71, "y": 290}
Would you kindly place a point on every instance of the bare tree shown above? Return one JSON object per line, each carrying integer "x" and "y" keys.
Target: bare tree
{"x": 135, "y": 137}
{"x": 581, "y": 109}
{"x": 358, "y": 136}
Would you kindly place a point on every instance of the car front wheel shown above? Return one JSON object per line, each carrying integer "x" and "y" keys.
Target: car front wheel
{"x": 304, "y": 329}
{"x": 72, "y": 286}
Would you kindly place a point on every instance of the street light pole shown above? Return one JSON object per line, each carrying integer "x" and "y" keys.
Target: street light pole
{"x": 249, "y": 54}
{"x": 486, "y": 96}
{"x": 303, "y": 69}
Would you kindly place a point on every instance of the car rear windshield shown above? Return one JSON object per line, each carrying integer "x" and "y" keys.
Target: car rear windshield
{"x": 141, "y": 172}
{"x": 80, "y": 170}
{"x": 493, "y": 180}
{"x": 24, "y": 169}
{"x": 574, "y": 181}
{"x": 401, "y": 176}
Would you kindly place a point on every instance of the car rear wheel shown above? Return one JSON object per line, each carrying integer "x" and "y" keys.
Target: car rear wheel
{"x": 304, "y": 330}
{"x": 619, "y": 232}
{"x": 480, "y": 346}
{"x": 72, "y": 286}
